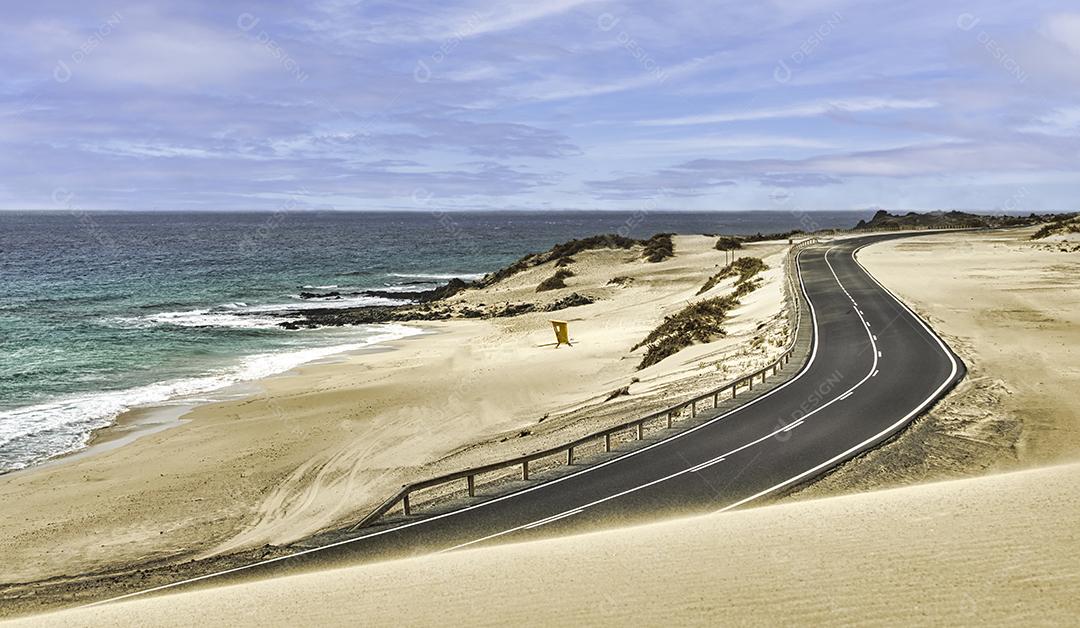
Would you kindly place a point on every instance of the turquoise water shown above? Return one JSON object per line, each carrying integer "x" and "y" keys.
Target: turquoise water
{"x": 101, "y": 312}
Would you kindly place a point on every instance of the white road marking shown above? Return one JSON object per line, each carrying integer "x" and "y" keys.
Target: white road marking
{"x": 588, "y": 469}
{"x": 699, "y": 467}
{"x": 803, "y": 371}
{"x": 883, "y": 433}
{"x": 851, "y": 392}
{"x": 552, "y": 519}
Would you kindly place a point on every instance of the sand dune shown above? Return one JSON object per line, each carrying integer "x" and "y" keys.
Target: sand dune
{"x": 995, "y": 549}
{"x": 319, "y": 447}
{"x": 1010, "y": 307}
{"x": 999, "y": 550}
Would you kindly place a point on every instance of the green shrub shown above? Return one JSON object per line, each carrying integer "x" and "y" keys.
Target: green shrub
{"x": 555, "y": 281}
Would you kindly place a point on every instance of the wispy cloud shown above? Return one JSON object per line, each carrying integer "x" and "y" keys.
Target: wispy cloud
{"x": 805, "y": 110}
{"x": 569, "y": 103}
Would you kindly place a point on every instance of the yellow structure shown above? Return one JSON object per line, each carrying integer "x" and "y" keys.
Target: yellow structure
{"x": 562, "y": 333}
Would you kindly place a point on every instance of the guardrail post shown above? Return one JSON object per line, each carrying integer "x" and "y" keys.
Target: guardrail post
{"x": 638, "y": 425}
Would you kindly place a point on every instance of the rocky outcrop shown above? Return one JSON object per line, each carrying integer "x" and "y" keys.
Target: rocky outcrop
{"x": 942, "y": 219}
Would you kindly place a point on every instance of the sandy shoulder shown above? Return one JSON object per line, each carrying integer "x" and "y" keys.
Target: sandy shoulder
{"x": 319, "y": 447}
{"x": 997, "y": 550}
{"x": 1010, "y": 307}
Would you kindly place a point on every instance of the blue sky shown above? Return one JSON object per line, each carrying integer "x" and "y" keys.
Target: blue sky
{"x": 556, "y": 104}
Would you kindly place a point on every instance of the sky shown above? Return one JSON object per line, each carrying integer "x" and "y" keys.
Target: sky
{"x": 540, "y": 104}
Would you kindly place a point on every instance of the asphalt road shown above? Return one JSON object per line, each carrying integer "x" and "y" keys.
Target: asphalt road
{"x": 873, "y": 367}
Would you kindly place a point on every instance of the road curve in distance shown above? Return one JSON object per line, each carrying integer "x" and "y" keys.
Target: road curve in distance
{"x": 873, "y": 367}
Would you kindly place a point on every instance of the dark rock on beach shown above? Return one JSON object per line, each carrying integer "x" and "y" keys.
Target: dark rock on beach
{"x": 439, "y": 293}
{"x": 572, "y": 300}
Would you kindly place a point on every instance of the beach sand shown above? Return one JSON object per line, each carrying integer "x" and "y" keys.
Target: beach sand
{"x": 319, "y": 447}
{"x": 1010, "y": 307}
{"x": 997, "y": 550}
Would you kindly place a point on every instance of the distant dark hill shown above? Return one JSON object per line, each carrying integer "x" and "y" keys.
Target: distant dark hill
{"x": 941, "y": 219}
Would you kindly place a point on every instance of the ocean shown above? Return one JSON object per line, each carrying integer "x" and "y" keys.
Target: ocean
{"x": 105, "y": 311}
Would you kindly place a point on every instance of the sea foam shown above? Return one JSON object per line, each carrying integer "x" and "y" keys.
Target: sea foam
{"x": 33, "y": 433}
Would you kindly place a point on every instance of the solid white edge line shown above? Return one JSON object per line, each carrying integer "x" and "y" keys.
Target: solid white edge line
{"x": 552, "y": 519}
{"x": 805, "y": 368}
{"x": 887, "y": 431}
{"x": 698, "y": 467}
{"x": 635, "y": 452}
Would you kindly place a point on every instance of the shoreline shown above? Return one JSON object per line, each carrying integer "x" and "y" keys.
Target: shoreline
{"x": 145, "y": 419}
{"x": 305, "y": 452}
{"x": 140, "y": 421}
{"x": 330, "y": 439}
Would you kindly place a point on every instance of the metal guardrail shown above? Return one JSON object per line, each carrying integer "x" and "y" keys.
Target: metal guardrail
{"x": 728, "y": 390}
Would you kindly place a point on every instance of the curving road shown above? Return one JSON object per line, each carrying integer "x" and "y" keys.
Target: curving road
{"x": 873, "y": 367}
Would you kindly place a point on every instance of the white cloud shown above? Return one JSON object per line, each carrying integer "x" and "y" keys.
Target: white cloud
{"x": 1064, "y": 121}
{"x": 654, "y": 77}
{"x": 169, "y": 54}
{"x": 1064, "y": 28}
{"x": 805, "y": 110}
{"x": 508, "y": 16}
{"x": 461, "y": 23}
{"x": 698, "y": 146}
